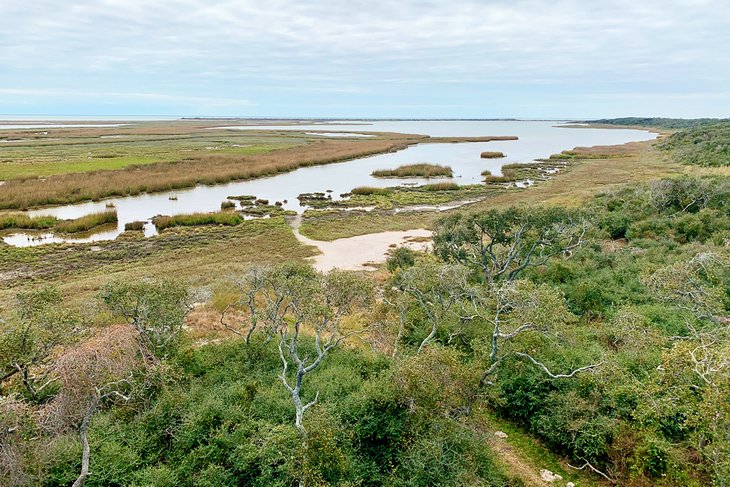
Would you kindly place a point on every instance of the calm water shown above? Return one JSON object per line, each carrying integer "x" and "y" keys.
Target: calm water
{"x": 536, "y": 140}
{"x": 56, "y": 126}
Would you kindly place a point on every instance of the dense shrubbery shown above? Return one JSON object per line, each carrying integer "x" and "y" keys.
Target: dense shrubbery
{"x": 705, "y": 145}
{"x": 665, "y": 123}
{"x": 604, "y": 332}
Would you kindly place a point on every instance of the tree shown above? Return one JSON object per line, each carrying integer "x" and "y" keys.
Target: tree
{"x": 318, "y": 303}
{"x": 439, "y": 290}
{"x": 503, "y": 243}
{"x": 42, "y": 323}
{"x": 90, "y": 375}
{"x": 262, "y": 297}
{"x": 156, "y": 309}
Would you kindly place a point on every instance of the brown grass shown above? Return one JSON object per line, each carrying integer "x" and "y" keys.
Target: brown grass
{"x": 492, "y": 155}
{"x": 207, "y": 169}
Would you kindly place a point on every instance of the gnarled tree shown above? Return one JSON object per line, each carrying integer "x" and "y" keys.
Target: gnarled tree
{"x": 502, "y": 243}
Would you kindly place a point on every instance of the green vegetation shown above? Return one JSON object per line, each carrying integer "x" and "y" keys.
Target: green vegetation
{"x": 592, "y": 330}
{"x": 24, "y": 222}
{"x": 706, "y": 145}
{"x": 415, "y": 170}
{"x": 664, "y": 123}
{"x": 370, "y": 191}
{"x": 195, "y": 219}
{"x": 227, "y": 205}
{"x": 87, "y": 222}
{"x": 446, "y": 186}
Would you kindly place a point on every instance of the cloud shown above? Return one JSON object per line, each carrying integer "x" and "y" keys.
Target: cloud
{"x": 362, "y": 51}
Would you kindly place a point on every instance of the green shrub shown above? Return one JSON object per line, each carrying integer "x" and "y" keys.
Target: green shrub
{"x": 195, "y": 219}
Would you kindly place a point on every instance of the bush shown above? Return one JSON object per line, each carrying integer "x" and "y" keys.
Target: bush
{"x": 134, "y": 226}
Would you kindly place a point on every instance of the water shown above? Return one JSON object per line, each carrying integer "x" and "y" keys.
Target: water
{"x": 57, "y": 126}
{"x": 536, "y": 140}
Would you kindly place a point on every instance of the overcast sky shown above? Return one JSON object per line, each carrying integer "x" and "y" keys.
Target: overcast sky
{"x": 356, "y": 58}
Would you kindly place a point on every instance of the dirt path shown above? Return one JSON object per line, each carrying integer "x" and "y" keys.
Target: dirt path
{"x": 516, "y": 465}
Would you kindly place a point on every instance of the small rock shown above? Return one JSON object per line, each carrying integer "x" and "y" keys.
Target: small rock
{"x": 548, "y": 476}
{"x": 570, "y": 484}
{"x": 500, "y": 434}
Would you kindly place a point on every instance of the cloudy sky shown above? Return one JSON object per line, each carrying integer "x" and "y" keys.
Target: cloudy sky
{"x": 357, "y": 58}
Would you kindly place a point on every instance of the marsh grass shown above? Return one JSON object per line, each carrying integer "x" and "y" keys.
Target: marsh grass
{"x": 198, "y": 169}
{"x": 24, "y": 222}
{"x": 423, "y": 170}
{"x": 492, "y": 155}
{"x": 371, "y": 190}
{"x": 197, "y": 219}
{"x": 445, "y": 186}
{"x": 227, "y": 205}
{"x": 87, "y": 222}
{"x": 134, "y": 226}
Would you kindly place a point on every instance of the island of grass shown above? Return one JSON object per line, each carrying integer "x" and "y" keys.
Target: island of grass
{"x": 492, "y": 155}
{"x": 20, "y": 221}
{"x": 423, "y": 170}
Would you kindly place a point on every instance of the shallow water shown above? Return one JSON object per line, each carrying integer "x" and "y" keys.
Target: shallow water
{"x": 58, "y": 126}
{"x": 536, "y": 140}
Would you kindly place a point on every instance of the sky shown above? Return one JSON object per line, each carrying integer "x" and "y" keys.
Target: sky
{"x": 376, "y": 59}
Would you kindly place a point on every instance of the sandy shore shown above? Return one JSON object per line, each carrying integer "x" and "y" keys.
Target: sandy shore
{"x": 355, "y": 253}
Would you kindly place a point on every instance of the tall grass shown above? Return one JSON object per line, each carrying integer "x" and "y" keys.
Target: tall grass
{"x": 446, "y": 186}
{"x": 492, "y": 155}
{"x": 196, "y": 219}
{"x": 200, "y": 169}
{"x": 25, "y": 222}
{"x": 370, "y": 190}
{"x": 87, "y": 222}
{"x": 415, "y": 170}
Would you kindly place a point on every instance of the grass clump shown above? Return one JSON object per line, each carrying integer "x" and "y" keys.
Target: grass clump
{"x": 196, "y": 219}
{"x": 370, "y": 190}
{"x": 25, "y": 222}
{"x": 87, "y": 222}
{"x": 446, "y": 186}
{"x": 492, "y": 155}
{"x": 134, "y": 226}
{"x": 423, "y": 170}
{"x": 227, "y": 205}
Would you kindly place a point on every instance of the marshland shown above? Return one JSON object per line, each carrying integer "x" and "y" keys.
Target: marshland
{"x": 624, "y": 221}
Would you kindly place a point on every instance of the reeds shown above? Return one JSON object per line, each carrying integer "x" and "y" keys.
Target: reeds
{"x": 423, "y": 170}
{"x": 134, "y": 226}
{"x": 203, "y": 169}
{"x": 196, "y": 219}
{"x": 445, "y": 186}
{"x": 370, "y": 190}
{"x": 492, "y": 155}
{"x": 24, "y": 222}
{"x": 87, "y": 222}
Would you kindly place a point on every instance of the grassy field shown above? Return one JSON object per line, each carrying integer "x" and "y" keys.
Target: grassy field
{"x": 202, "y": 255}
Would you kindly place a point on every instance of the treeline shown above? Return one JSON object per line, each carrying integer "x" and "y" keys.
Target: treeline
{"x": 658, "y": 122}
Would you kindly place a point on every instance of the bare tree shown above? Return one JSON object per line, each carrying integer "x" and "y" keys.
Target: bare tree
{"x": 263, "y": 300}
{"x": 90, "y": 375}
{"x": 318, "y": 304}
